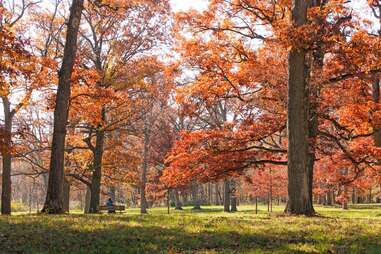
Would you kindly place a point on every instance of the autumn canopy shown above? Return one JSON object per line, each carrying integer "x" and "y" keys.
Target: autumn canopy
{"x": 272, "y": 100}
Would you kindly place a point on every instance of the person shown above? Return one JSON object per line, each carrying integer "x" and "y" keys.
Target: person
{"x": 110, "y": 203}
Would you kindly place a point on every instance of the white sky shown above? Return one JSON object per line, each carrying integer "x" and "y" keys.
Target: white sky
{"x": 183, "y": 5}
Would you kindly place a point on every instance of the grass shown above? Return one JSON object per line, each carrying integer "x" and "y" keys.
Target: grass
{"x": 207, "y": 231}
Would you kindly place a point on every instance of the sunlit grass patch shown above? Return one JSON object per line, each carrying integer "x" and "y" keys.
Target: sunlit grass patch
{"x": 188, "y": 231}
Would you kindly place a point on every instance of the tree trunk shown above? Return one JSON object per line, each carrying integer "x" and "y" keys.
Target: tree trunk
{"x": 168, "y": 201}
{"x": 233, "y": 204}
{"x": 370, "y": 196}
{"x": 313, "y": 123}
{"x": 271, "y": 192}
{"x": 178, "y": 205}
{"x": 195, "y": 197}
{"x": 87, "y": 199}
{"x": 226, "y": 195}
{"x": 209, "y": 193}
{"x": 256, "y": 205}
{"x": 97, "y": 171}
{"x": 233, "y": 196}
{"x": 143, "y": 200}
{"x": 53, "y": 202}
{"x": 376, "y": 99}
{"x": 6, "y": 190}
{"x": 344, "y": 205}
{"x": 299, "y": 200}
{"x": 80, "y": 198}
{"x": 66, "y": 196}
{"x": 216, "y": 194}
{"x": 354, "y": 195}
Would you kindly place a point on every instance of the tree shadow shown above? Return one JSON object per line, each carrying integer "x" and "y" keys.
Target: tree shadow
{"x": 132, "y": 234}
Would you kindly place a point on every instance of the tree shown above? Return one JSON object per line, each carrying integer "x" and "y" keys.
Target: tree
{"x": 299, "y": 199}
{"x": 53, "y": 202}
{"x": 117, "y": 41}
{"x": 22, "y": 73}
{"x": 225, "y": 67}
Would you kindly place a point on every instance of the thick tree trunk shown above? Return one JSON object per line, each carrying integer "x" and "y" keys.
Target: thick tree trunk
{"x": 226, "y": 195}
{"x": 53, "y": 202}
{"x": 143, "y": 200}
{"x": 233, "y": 204}
{"x": 6, "y": 189}
{"x": 233, "y": 196}
{"x": 299, "y": 201}
{"x": 97, "y": 172}
{"x": 66, "y": 196}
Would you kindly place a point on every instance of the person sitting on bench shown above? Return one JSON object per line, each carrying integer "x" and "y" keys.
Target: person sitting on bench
{"x": 111, "y": 204}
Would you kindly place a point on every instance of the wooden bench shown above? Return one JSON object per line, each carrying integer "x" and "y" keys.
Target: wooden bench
{"x": 115, "y": 208}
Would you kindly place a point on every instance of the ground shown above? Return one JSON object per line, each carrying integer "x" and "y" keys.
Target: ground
{"x": 208, "y": 231}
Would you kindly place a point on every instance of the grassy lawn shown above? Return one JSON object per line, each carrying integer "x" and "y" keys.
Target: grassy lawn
{"x": 207, "y": 231}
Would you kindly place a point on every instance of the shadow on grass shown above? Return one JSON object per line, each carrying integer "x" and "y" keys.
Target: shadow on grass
{"x": 133, "y": 234}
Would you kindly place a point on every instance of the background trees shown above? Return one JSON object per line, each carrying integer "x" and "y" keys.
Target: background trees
{"x": 326, "y": 66}
{"x": 22, "y": 73}
{"x": 186, "y": 103}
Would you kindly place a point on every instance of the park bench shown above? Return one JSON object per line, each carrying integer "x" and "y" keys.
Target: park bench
{"x": 115, "y": 208}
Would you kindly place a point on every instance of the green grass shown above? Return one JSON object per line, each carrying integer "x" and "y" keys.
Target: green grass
{"x": 207, "y": 231}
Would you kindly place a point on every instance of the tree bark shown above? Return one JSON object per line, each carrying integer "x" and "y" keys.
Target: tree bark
{"x": 195, "y": 197}
{"x": 97, "y": 171}
{"x": 87, "y": 199}
{"x": 270, "y": 208}
{"x": 143, "y": 200}
{"x": 66, "y": 196}
{"x": 53, "y": 202}
{"x": 313, "y": 122}
{"x": 370, "y": 196}
{"x": 299, "y": 198}
{"x": 256, "y": 205}
{"x": 354, "y": 195}
{"x": 233, "y": 196}
{"x": 216, "y": 194}
{"x": 6, "y": 190}
{"x": 209, "y": 193}
{"x": 376, "y": 99}
{"x": 329, "y": 198}
{"x": 178, "y": 205}
{"x": 344, "y": 205}
{"x": 226, "y": 195}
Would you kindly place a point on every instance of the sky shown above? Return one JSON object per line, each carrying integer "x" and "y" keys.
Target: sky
{"x": 183, "y": 5}
{"x": 359, "y": 6}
